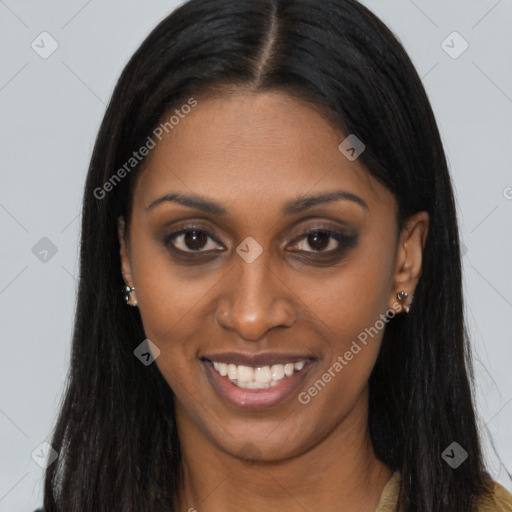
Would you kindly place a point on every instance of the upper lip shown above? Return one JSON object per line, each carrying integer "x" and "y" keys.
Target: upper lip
{"x": 257, "y": 360}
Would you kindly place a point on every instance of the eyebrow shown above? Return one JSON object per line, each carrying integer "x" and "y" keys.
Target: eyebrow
{"x": 291, "y": 207}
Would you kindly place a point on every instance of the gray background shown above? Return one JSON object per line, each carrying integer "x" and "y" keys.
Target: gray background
{"x": 51, "y": 111}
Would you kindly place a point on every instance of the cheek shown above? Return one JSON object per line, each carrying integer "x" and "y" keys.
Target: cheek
{"x": 352, "y": 296}
{"x": 171, "y": 308}
{"x": 350, "y": 309}
{"x": 169, "y": 295}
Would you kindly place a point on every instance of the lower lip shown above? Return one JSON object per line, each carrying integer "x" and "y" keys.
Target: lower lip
{"x": 255, "y": 398}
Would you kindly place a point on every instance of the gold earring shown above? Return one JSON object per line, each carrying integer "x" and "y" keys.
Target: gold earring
{"x": 402, "y": 297}
{"x": 127, "y": 291}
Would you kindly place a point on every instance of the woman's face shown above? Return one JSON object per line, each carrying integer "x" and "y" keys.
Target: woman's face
{"x": 264, "y": 276}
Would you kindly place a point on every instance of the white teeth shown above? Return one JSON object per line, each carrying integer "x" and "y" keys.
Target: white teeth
{"x": 245, "y": 374}
{"x": 277, "y": 371}
{"x": 232, "y": 371}
{"x": 257, "y": 378}
{"x": 288, "y": 369}
{"x": 262, "y": 374}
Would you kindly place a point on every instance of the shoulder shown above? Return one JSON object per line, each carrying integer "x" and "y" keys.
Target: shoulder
{"x": 389, "y": 496}
{"x": 495, "y": 499}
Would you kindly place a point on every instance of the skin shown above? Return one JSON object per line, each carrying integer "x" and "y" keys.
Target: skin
{"x": 251, "y": 153}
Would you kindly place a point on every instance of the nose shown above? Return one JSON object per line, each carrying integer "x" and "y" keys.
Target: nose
{"x": 254, "y": 299}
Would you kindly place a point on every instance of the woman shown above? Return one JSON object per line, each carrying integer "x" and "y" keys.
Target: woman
{"x": 269, "y": 190}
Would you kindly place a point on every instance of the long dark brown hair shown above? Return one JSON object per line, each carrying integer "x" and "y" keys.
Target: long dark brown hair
{"x": 116, "y": 434}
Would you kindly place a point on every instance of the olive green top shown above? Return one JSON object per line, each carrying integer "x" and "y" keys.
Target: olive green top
{"x": 498, "y": 499}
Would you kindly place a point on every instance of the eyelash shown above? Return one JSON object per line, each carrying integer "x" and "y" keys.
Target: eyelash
{"x": 345, "y": 242}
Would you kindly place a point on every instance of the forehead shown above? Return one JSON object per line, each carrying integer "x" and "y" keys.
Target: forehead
{"x": 247, "y": 149}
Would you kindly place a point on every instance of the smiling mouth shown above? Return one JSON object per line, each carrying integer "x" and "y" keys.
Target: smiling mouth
{"x": 261, "y": 377}
{"x": 263, "y": 382}
{"x": 257, "y": 377}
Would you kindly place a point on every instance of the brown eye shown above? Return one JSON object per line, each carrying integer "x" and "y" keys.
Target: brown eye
{"x": 191, "y": 240}
{"x": 195, "y": 240}
{"x": 323, "y": 241}
{"x": 319, "y": 241}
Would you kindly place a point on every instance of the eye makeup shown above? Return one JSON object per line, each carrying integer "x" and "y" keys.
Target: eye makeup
{"x": 320, "y": 244}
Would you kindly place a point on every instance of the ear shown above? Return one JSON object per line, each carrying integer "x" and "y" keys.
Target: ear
{"x": 126, "y": 267}
{"x": 409, "y": 257}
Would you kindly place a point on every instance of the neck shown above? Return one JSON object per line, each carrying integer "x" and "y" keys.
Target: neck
{"x": 341, "y": 472}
